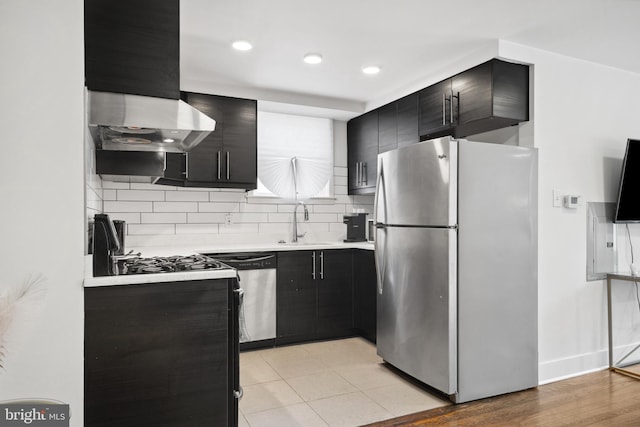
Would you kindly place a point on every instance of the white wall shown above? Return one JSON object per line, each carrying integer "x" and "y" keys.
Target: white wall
{"x": 583, "y": 114}
{"x": 41, "y": 185}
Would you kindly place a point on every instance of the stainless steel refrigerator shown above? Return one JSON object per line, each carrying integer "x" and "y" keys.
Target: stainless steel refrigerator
{"x": 456, "y": 258}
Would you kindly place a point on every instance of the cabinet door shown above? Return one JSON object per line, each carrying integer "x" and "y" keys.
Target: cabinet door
{"x": 474, "y": 91}
{"x": 362, "y": 140}
{"x": 334, "y": 277}
{"x": 492, "y": 95}
{"x": 157, "y": 354}
{"x": 239, "y": 153}
{"x": 204, "y": 159}
{"x": 364, "y": 290}
{"x": 388, "y": 127}
{"x": 435, "y": 110}
{"x": 133, "y": 47}
{"x": 407, "y": 120}
{"x": 296, "y": 294}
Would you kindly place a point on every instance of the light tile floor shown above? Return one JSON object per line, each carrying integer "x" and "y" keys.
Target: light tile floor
{"x": 340, "y": 383}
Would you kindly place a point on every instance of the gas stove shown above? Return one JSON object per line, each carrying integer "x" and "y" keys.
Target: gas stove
{"x": 170, "y": 264}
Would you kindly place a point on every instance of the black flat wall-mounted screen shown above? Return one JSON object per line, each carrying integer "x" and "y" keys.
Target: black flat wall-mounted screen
{"x": 628, "y": 206}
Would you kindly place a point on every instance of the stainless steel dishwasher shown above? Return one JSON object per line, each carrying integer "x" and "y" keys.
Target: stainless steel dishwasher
{"x": 257, "y": 274}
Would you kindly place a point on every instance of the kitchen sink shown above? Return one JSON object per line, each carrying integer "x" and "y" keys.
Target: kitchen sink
{"x": 308, "y": 243}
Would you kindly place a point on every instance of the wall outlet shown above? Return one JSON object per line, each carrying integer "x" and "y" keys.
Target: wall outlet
{"x": 227, "y": 220}
{"x": 557, "y": 199}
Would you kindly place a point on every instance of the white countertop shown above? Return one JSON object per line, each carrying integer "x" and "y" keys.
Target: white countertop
{"x": 151, "y": 251}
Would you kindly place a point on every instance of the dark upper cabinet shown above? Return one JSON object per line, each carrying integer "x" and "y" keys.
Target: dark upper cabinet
{"x": 362, "y": 152}
{"x": 407, "y": 120}
{"x": 227, "y": 157}
{"x": 436, "y": 110}
{"x": 133, "y": 47}
{"x": 490, "y": 96}
{"x": 388, "y": 127}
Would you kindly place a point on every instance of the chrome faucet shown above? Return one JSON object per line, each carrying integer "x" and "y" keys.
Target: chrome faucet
{"x": 295, "y": 220}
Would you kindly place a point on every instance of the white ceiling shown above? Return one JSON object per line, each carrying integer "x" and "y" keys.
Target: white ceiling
{"x": 410, "y": 40}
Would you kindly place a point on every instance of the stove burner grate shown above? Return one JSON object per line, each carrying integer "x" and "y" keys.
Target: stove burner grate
{"x": 170, "y": 264}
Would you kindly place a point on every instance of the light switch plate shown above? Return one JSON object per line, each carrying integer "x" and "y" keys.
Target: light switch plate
{"x": 557, "y": 198}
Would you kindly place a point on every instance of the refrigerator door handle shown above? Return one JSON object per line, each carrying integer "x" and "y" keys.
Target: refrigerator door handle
{"x": 379, "y": 226}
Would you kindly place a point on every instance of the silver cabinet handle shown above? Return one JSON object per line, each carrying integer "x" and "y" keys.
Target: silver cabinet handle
{"x": 164, "y": 167}
{"x": 219, "y": 164}
{"x": 444, "y": 109}
{"x": 228, "y": 171}
{"x": 322, "y": 265}
{"x": 313, "y": 267}
{"x": 364, "y": 173}
{"x": 357, "y": 173}
{"x": 186, "y": 166}
{"x": 451, "y": 108}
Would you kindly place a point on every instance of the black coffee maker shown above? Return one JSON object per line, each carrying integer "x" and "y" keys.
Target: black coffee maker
{"x": 356, "y": 227}
{"x": 105, "y": 246}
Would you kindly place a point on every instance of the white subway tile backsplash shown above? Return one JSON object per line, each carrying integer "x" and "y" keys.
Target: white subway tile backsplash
{"x": 219, "y": 196}
{"x": 115, "y": 185}
{"x": 140, "y": 195}
{"x": 206, "y": 218}
{"x": 152, "y": 187}
{"x": 128, "y": 217}
{"x": 157, "y": 213}
{"x": 118, "y": 206}
{"x": 137, "y": 229}
{"x": 238, "y": 228}
{"x": 218, "y": 207}
{"x": 163, "y": 218}
{"x": 324, "y": 217}
{"x": 109, "y": 194}
{"x": 249, "y": 217}
{"x": 338, "y": 208}
{"x": 252, "y": 207}
{"x": 175, "y": 207}
{"x": 187, "y": 196}
{"x": 341, "y": 180}
{"x": 196, "y": 228}
{"x": 281, "y": 217}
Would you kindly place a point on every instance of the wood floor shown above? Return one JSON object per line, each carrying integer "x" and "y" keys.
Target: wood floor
{"x": 599, "y": 399}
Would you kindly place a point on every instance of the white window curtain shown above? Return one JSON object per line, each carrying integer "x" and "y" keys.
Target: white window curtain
{"x": 295, "y": 155}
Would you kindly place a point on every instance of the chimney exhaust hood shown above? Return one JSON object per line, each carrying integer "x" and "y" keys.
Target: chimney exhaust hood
{"x": 123, "y": 122}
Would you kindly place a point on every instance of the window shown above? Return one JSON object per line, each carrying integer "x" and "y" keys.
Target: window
{"x": 295, "y": 156}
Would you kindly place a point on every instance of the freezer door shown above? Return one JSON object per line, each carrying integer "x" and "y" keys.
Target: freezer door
{"x": 417, "y": 303}
{"x": 417, "y": 184}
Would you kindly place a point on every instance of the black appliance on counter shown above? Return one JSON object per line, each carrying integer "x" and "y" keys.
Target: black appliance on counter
{"x": 105, "y": 246}
{"x": 356, "y": 227}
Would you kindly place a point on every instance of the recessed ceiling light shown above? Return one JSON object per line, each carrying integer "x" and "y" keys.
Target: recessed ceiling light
{"x": 372, "y": 69}
{"x": 313, "y": 58}
{"x": 242, "y": 45}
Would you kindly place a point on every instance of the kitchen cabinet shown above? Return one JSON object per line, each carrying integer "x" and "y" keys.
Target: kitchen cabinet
{"x": 487, "y": 97}
{"x": 491, "y": 96}
{"x": 159, "y": 354}
{"x": 227, "y": 157}
{"x": 398, "y": 123}
{"x": 314, "y": 295}
{"x": 133, "y": 47}
{"x": 364, "y": 293}
{"x": 436, "y": 110}
{"x": 362, "y": 152}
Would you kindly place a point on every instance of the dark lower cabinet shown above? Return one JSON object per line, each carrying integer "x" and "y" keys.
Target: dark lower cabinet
{"x": 295, "y": 295}
{"x": 159, "y": 355}
{"x": 335, "y": 293}
{"x": 314, "y": 295}
{"x": 364, "y": 291}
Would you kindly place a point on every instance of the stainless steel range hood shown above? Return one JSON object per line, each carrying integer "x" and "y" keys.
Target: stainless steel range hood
{"x": 123, "y": 122}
